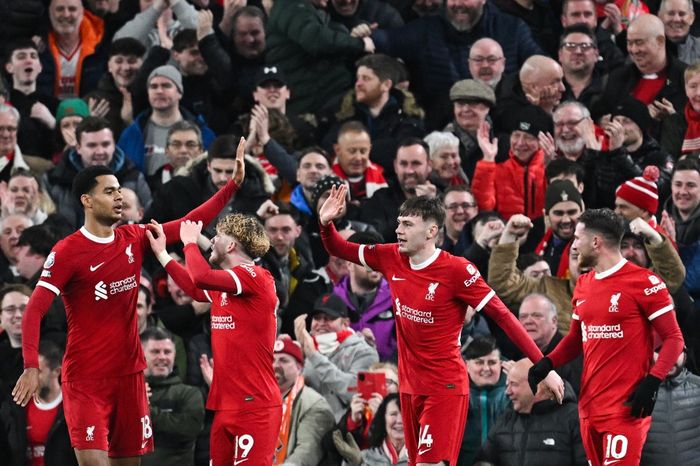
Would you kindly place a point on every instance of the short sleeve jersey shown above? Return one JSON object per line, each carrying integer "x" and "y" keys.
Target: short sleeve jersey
{"x": 615, "y": 309}
{"x": 243, "y": 330}
{"x": 430, "y": 301}
{"x": 98, "y": 279}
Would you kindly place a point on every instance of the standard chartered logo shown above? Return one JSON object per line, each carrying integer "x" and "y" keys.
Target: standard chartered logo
{"x": 103, "y": 290}
{"x": 100, "y": 290}
{"x": 601, "y": 332}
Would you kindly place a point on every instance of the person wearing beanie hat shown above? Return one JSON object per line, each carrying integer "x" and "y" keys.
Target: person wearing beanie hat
{"x": 323, "y": 186}
{"x": 306, "y": 415}
{"x": 169, "y": 72}
{"x": 517, "y": 185}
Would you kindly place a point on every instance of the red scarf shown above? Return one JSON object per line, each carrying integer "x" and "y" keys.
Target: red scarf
{"x": 563, "y": 268}
{"x": 691, "y": 140}
{"x": 327, "y": 343}
{"x": 391, "y": 452}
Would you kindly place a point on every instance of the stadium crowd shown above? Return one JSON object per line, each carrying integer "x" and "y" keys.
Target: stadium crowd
{"x": 512, "y": 112}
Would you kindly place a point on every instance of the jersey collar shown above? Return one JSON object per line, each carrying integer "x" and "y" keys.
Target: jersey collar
{"x": 96, "y": 239}
{"x": 426, "y": 262}
{"x": 611, "y": 270}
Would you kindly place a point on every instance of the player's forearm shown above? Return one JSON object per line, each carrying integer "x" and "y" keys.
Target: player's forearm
{"x": 205, "y": 213}
{"x": 203, "y": 276}
{"x": 569, "y": 347}
{"x": 667, "y": 328}
{"x": 37, "y": 307}
{"x": 182, "y": 278}
{"x": 337, "y": 246}
{"x": 496, "y": 310}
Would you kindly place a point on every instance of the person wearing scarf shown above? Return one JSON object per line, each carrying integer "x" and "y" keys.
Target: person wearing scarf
{"x": 306, "y": 415}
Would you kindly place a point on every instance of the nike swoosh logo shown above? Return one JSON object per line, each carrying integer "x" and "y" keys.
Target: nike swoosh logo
{"x": 237, "y": 462}
{"x": 143, "y": 445}
{"x": 394, "y": 278}
{"x": 580, "y": 301}
{"x": 420, "y": 452}
{"x": 607, "y": 462}
{"x": 95, "y": 267}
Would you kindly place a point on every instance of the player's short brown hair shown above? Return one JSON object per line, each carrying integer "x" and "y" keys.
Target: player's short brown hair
{"x": 248, "y": 231}
{"x": 424, "y": 207}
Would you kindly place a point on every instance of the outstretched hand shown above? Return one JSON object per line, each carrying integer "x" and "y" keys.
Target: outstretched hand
{"x": 27, "y": 386}
{"x": 156, "y": 236}
{"x": 189, "y": 231}
{"x": 240, "y": 162}
{"x": 334, "y": 207}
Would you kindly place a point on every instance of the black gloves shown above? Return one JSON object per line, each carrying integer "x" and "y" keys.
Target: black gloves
{"x": 643, "y": 398}
{"x": 538, "y": 372}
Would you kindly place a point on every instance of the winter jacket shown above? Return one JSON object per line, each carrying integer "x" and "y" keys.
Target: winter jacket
{"x": 133, "y": 138}
{"x": 376, "y": 457}
{"x": 486, "y": 404}
{"x": 308, "y": 290}
{"x": 92, "y": 63}
{"x": 60, "y": 181}
{"x": 378, "y": 317}
{"x": 650, "y": 153}
{"x": 312, "y": 418}
{"x": 511, "y": 187}
{"x": 675, "y": 423}
{"x": 107, "y": 89}
{"x": 334, "y": 374}
{"x": 548, "y": 436}
{"x": 689, "y": 50}
{"x": 311, "y": 51}
{"x": 18, "y": 163}
{"x": 177, "y": 415}
{"x": 33, "y": 135}
{"x": 469, "y": 150}
{"x": 21, "y": 18}
{"x": 591, "y": 93}
{"x": 382, "y": 210}
{"x": 437, "y": 54}
{"x": 13, "y": 424}
{"x": 368, "y": 12}
{"x": 143, "y": 26}
{"x": 688, "y": 240}
{"x": 400, "y": 118}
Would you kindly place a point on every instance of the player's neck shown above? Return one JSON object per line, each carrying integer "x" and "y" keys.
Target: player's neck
{"x": 423, "y": 254}
{"x": 232, "y": 260}
{"x": 608, "y": 260}
{"x": 98, "y": 229}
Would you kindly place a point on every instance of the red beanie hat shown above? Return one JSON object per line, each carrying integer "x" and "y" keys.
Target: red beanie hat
{"x": 285, "y": 344}
{"x": 642, "y": 191}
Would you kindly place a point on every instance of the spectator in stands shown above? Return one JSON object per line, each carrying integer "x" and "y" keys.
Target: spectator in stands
{"x": 436, "y": 48}
{"x": 334, "y": 352}
{"x": 519, "y": 434}
{"x": 184, "y": 144}
{"x": 145, "y": 139}
{"x": 155, "y": 25}
{"x": 460, "y": 209}
{"x": 471, "y": 102}
{"x": 69, "y": 114}
{"x": 299, "y": 40}
{"x": 177, "y": 410}
{"x": 33, "y": 248}
{"x": 307, "y": 417}
{"x": 125, "y": 59}
{"x": 412, "y": 166}
{"x": 675, "y": 421}
{"x": 76, "y": 52}
{"x": 95, "y": 146}
{"x": 487, "y": 395}
{"x": 24, "y": 195}
{"x": 353, "y": 163}
{"x": 12, "y": 227}
{"x": 578, "y": 56}
{"x": 585, "y": 12}
{"x": 207, "y": 174}
{"x": 34, "y": 134}
{"x": 313, "y": 165}
{"x": 11, "y": 158}
{"x": 390, "y": 114}
{"x": 678, "y": 16}
{"x": 486, "y": 62}
{"x": 37, "y": 433}
{"x": 516, "y": 185}
{"x": 446, "y": 163}
{"x": 532, "y": 265}
{"x": 485, "y": 227}
{"x": 358, "y": 15}
{"x": 13, "y": 301}
{"x": 639, "y": 198}
{"x": 368, "y": 299}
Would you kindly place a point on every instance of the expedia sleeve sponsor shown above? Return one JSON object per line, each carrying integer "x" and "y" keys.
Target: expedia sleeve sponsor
{"x": 654, "y": 289}
{"x": 125, "y": 284}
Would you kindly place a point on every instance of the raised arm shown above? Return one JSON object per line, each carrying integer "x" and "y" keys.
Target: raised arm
{"x": 336, "y": 245}
{"x": 208, "y": 211}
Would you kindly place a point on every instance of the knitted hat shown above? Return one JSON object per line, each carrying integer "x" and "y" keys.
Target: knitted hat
{"x": 72, "y": 107}
{"x": 170, "y": 72}
{"x": 561, "y": 191}
{"x": 530, "y": 119}
{"x": 472, "y": 90}
{"x": 323, "y": 185}
{"x": 285, "y": 344}
{"x": 634, "y": 110}
{"x": 641, "y": 191}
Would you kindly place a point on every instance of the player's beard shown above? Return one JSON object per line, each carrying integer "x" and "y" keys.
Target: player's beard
{"x": 586, "y": 261}
{"x": 44, "y": 392}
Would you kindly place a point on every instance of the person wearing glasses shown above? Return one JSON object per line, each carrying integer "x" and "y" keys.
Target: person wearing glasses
{"x": 486, "y": 62}
{"x": 11, "y": 158}
{"x": 461, "y": 208}
{"x": 184, "y": 144}
{"x": 578, "y": 56}
{"x": 13, "y": 301}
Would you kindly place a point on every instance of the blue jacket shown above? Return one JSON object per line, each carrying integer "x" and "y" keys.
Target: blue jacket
{"x": 437, "y": 54}
{"x": 132, "y": 139}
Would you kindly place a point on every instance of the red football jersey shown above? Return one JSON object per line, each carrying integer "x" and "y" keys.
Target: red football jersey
{"x": 615, "y": 309}
{"x": 430, "y": 302}
{"x": 243, "y": 330}
{"x": 40, "y": 418}
{"x": 98, "y": 279}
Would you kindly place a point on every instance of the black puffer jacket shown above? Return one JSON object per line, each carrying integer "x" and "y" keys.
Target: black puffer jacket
{"x": 22, "y": 18}
{"x": 675, "y": 423}
{"x": 548, "y": 436}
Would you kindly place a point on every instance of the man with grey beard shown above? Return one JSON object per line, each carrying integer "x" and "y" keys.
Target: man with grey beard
{"x": 436, "y": 48}
{"x": 486, "y": 62}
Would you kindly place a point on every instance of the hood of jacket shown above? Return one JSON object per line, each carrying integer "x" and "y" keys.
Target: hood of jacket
{"x": 71, "y": 163}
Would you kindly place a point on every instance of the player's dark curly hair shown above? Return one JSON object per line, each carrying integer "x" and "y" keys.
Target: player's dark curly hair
{"x": 377, "y": 430}
{"x": 86, "y": 179}
{"x": 427, "y": 208}
{"x": 604, "y": 222}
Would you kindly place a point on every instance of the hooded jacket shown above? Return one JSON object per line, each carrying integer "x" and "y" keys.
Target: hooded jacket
{"x": 688, "y": 240}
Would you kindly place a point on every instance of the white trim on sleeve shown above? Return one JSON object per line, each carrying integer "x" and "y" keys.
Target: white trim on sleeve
{"x": 48, "y": 286}
{"x": 239, "y": 289}
{"x": 361, "y": 256}
{"x": 486, "y": 299}
{"x": 575, "y": 317}
{"x": 206, "y": 293}
{"x": 661, "y": 311}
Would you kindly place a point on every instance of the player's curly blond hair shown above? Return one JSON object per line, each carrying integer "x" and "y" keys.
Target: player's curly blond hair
{"x": 247, "y": 231}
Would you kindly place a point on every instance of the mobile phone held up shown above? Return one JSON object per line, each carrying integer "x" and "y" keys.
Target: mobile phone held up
{"x": 371, "y": 382}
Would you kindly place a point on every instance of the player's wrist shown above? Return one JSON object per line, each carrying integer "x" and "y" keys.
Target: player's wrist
{"x": 163, "y": 257}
